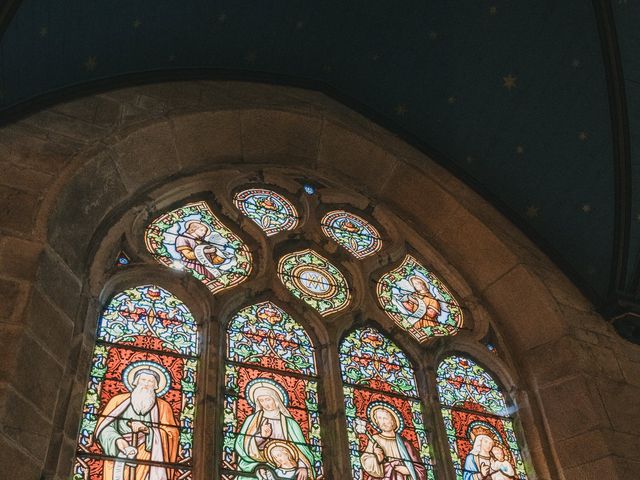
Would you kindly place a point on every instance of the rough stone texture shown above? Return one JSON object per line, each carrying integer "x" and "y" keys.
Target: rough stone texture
{"x": 80, "y": 168}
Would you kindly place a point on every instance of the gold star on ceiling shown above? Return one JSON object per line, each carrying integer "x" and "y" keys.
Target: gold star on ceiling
{"x": 299, "y": 25}
{"x": 532, "y": 211}
{"x": 136, "y": 23}
{"x": 433, "y": 35}
{"x": 520, "y": 149}
{"x": 401, "y": 109}
{"x": 222, "y": 17}
{"x": 91, "y": 64}
{"x": 583, "y": 136}
{"x": 509, "y": 82}
{"x": 375, "y": 57}
{"x": 586, "y": 208}
{"x": 469, "y": 159}
{"x": 172, "y": 57}
{"x": 44, "y": 31}
{"x": 452, "y": 99}
{"x": 493, "y": 10}
{"x": 575, "y": 63}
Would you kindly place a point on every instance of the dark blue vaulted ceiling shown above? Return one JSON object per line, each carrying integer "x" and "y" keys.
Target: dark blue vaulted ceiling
{"x": 536, "y": 103}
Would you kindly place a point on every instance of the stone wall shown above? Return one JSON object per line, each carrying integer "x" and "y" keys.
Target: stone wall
{"x": 76, "y": 176}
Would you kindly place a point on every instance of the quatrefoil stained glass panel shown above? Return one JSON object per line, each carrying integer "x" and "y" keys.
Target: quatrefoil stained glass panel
{"x": 313, "y": 279}
{"x": 418, "y": 301}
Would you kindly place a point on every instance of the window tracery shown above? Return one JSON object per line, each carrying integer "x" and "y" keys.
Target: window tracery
{"x": 271, "y": 412}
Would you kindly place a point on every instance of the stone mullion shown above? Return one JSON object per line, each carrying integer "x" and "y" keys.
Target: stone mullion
{"x": 333, "y": 421}
{"x": 207, "y": 451}
{"x": 434, "y": 423}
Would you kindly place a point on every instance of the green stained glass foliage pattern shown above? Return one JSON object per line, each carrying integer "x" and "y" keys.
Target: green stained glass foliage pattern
{"x": 351, "y": 232}
{"x": 193, "y": 239}
{"x": 368, "y": 358}
{"x": 265, "y": 334}
{"x": 314, "y": 280}
{"x": 479, "y": 427}
{"x": 418, "y": 301}
{"x": 271, "y": 211}
{"x": 149, "y": 310}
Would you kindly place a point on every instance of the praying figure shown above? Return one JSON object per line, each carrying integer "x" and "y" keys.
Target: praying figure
{"x": 138, "y": 426}
{"x": 271, "y": 421}
{"x": 388, "y": 455}
{"x": 420, "y": 304}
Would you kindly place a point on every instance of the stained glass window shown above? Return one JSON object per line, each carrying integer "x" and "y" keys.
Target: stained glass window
{"x": 477, "y": 421}
{"x": 313, "y": 279}
{"x": 385, "y": 428}
{"x": 139, "y": 409}
{"x": 270, "y": 210}
{"x": 350, "y": 231}
{"x": 418, "y": 301}
{"x": 271, "y": 420}
{"x": 192, "y": 238}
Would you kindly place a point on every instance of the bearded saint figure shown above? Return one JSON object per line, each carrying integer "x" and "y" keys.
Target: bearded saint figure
{"x": 271, "y": 421}
{"x": 388, "y": 455}
{"x": 138, "y": 426}
{"x": 421, "y": 305}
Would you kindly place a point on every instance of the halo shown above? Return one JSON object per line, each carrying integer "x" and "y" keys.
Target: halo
{"x": 375, "y": 406}
{"x": 131, "y": 371}
{"x": 477, "y": 425}
{"x": 265, "y": 383}
{"x": 291, "y": 448}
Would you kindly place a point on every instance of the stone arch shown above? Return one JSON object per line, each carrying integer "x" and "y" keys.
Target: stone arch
{"x": 82, "y": 162}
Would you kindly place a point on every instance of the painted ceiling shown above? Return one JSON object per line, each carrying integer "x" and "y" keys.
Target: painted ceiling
{"x": 536, "y": 104}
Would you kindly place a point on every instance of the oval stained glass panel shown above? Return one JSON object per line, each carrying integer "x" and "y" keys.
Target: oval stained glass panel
{"x": 313, "y": 279}
{"x": 271, "y": 211}
{"x": 350, "y": 231}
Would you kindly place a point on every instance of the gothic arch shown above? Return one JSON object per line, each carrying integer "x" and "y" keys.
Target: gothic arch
{"x": 70, "y": 226}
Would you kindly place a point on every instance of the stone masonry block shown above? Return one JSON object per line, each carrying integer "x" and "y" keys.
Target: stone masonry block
{"x": 282, "y": 135}
{"x": 205, "y": 137}
{"x": 146, "y": 155}
{"x": 358, "y": 158}
{"x": 88, "y": 197}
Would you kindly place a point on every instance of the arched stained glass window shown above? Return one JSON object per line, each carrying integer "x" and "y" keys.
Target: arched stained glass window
{"x": 139, "y": 408}
{"x": 192, "y": 238}
{"x": 418, "y": 301}
{"x": 313, "y": 279}
{"x": 271, "y": 420}
{"x": 270, "y": 210}
{"x": 350, "y": 231}
{"x": 387, "y": 438}
{"x": 477, "y": 421}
